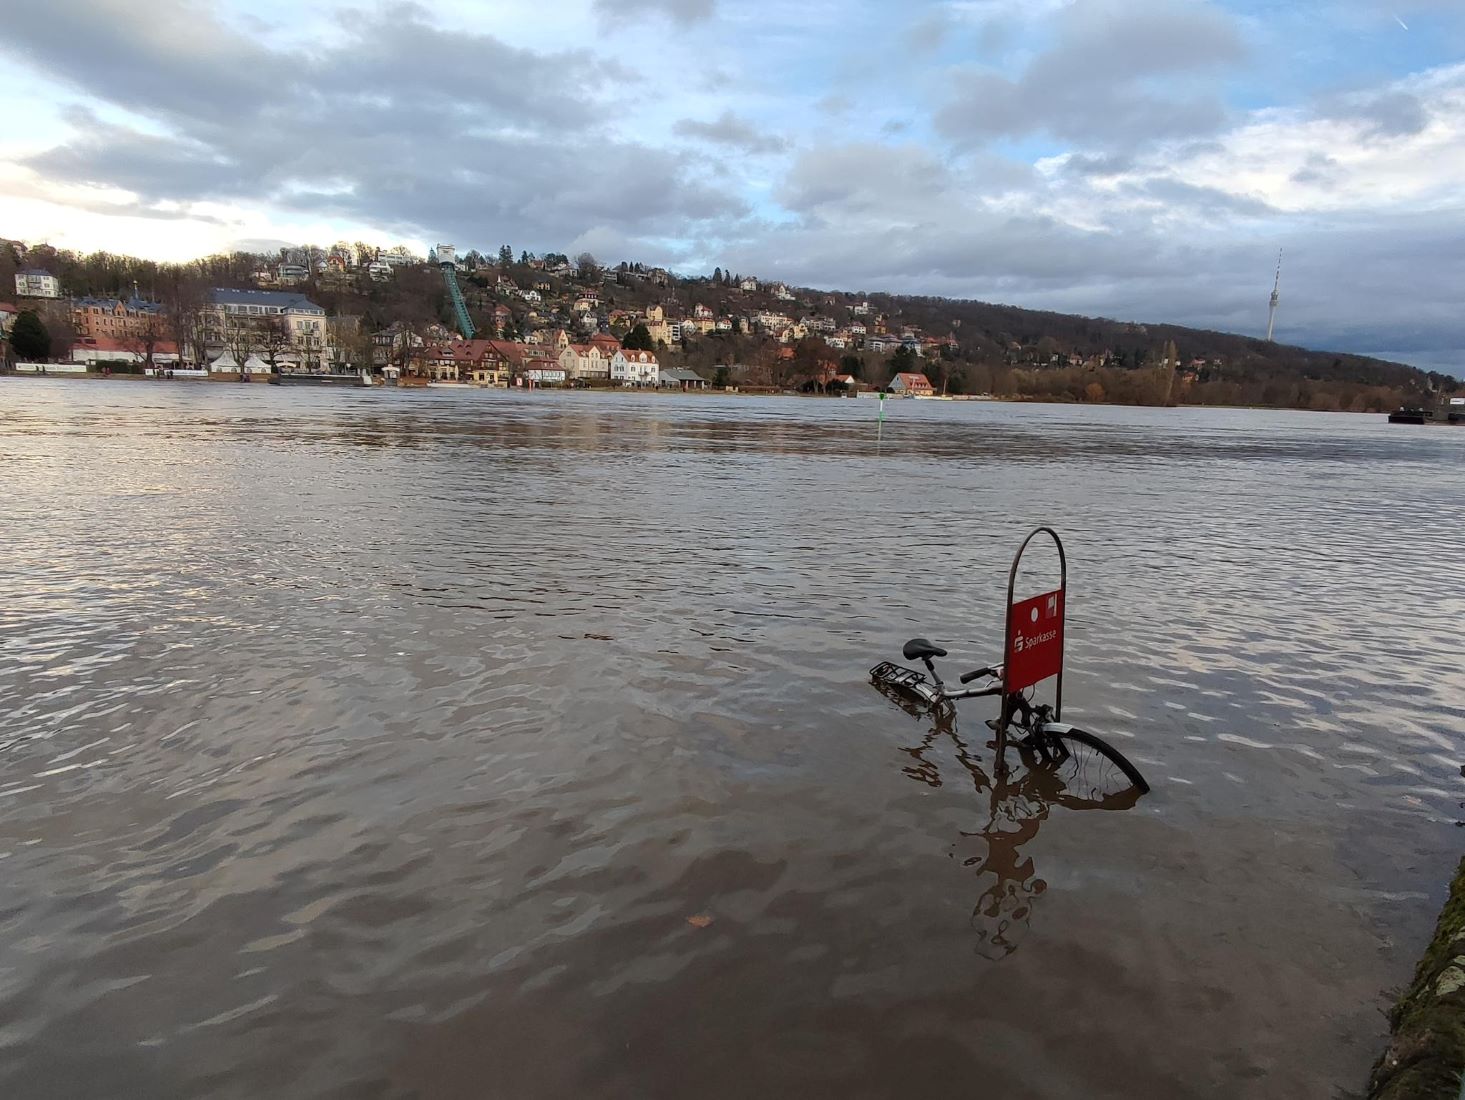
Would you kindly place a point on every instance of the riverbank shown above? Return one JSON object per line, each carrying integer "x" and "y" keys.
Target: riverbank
{"x": 1425, "y": 1058}
{"x": 67, "y": 371}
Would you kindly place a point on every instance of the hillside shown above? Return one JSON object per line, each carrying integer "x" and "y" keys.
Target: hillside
{"x": 784, "y": 337}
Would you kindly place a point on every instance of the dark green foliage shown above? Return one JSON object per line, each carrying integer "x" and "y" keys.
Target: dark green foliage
{"x": 29, "y": 337}
{"x": 638, "y": 339}
{"x": 903, "y": 360}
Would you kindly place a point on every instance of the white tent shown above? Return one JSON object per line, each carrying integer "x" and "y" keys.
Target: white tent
{"x": 224, "y": 364}
{"x": 255, "y": 365}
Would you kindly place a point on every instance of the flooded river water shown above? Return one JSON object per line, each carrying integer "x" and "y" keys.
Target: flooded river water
{"x": 383, "y": 744}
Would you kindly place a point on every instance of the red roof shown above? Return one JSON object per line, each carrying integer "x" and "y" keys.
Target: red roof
{"x": 509, "y": 350}
{"x": 466, "y": 351}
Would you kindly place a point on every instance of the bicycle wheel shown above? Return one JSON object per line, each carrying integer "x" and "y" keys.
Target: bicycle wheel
{"x": 1091, "y": 770}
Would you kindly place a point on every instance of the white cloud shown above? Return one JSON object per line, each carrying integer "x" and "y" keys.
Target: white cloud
{"x": 1091, "y": 155}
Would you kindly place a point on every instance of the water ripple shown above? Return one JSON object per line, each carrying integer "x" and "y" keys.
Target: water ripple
{"x": 383, "y": 745}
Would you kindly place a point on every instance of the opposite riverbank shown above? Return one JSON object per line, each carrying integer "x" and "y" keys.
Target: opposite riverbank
{"x": 54, "y": 374}
{"x": 1425, "y": 1058}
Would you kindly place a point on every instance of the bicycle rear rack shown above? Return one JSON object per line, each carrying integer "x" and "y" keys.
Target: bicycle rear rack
{"x": 907, "y": 680}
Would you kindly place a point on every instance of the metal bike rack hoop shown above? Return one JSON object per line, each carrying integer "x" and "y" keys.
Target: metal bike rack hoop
{"x": 1007, "y": 616}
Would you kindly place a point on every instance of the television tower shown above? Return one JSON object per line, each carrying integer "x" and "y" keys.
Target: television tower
{"x": 1276, "y": 296}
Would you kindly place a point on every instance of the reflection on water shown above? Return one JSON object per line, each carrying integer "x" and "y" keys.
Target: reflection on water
{"x": 1015, "y": 804}
{"x": 381, "y": 744}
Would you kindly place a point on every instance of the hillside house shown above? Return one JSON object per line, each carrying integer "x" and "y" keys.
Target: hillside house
{"x": 681, "y": 378}
{"x": 911, "y": 384}
{"x": 35, "y": 282}
{"x": 634, "y": 368}
{"x": 584, "y": 362}
{"x": 116, "y": 319}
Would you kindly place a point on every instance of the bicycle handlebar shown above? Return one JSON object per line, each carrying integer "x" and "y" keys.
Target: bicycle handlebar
{"x": 978, "y": 674}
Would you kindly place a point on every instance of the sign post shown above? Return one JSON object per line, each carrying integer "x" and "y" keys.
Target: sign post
{"x": 1033, "y": 650}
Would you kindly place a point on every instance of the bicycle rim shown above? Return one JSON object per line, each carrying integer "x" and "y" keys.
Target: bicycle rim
{"x": 1093, "y": 773}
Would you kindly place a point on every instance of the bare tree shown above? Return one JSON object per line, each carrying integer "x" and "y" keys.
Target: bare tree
{"x": 145, "y": 339}
{"x": 187, "y": 314}
{"x": 273, "y": 338}
{"x": 239, "y": 336}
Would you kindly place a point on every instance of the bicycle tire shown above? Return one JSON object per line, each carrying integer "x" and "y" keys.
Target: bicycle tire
{"x": 1061, "y": 732}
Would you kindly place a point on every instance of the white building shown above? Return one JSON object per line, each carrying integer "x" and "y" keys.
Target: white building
{"x": 584, "y": 361}
{"x": 634, "y": 368}
{"x": 247, "y": 319}
{"x": 35, "y": 283}
{"x": 748, "y": 284}
{"x": 379, "y": 270}
{"x": 545, "y": 375}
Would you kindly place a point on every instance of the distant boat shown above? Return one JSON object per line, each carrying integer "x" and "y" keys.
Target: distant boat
{"x": 1411, "y": 416}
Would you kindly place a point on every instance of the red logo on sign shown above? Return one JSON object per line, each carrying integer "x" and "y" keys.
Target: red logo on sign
{"x": 1034, "y": 641}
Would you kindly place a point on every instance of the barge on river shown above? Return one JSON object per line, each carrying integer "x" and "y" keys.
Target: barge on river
{"x": 1450, "y": 412}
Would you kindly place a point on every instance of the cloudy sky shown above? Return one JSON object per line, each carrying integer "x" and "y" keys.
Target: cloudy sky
{"x": 1140, "y": 159}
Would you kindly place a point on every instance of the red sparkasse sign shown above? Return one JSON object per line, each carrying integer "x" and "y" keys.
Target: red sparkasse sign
{"x": 1034, "y": 640}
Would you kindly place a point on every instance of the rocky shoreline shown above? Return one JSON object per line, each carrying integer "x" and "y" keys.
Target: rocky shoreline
{"x": 1425, "y": 1058}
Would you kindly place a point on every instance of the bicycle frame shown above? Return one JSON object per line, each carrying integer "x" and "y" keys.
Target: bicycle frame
{"x": 934, "y": 694}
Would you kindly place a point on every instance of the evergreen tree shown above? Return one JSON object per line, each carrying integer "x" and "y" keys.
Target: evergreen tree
{"x": 717, "y": 276}
{"x": 506, "y": 256}
{"x": 638, "y": 339}
{"x": 524, "y": 257}
{"x": 29, "y": 337}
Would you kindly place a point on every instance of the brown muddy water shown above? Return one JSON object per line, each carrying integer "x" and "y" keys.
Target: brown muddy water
{"x": 383, "y": 744}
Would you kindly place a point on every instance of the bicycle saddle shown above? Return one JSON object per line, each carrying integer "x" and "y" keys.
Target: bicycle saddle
{"x": 919, "y": 648}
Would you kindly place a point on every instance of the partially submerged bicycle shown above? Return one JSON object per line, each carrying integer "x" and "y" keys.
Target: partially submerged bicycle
{"x": 1088, "y": 765}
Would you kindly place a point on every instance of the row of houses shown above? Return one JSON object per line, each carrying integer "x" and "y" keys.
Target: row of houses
{"x": 498, "y": 362}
